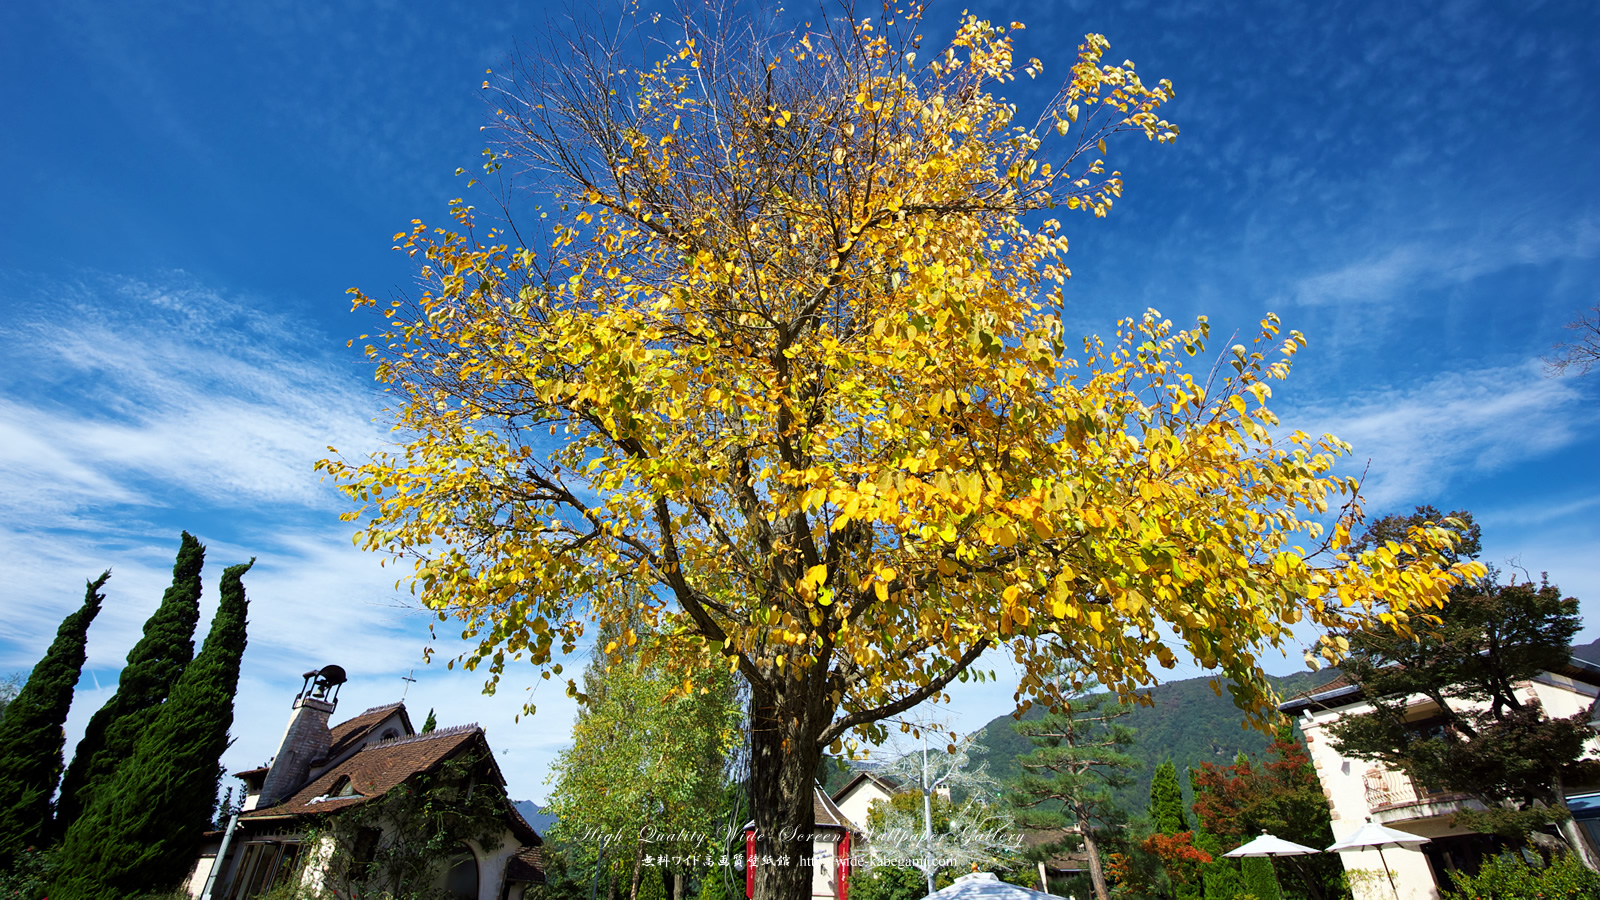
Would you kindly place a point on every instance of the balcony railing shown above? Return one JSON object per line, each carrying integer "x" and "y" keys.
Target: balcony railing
{"x": 1387, "y": 789}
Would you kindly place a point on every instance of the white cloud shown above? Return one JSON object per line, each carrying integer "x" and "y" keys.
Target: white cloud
{"x": 1384, "y": 273}
{"x": 135, "y": 409}
{"x": 1420, "y": 438}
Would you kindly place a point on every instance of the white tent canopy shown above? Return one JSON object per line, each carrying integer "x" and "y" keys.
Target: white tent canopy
{"x": 985, "y": 886}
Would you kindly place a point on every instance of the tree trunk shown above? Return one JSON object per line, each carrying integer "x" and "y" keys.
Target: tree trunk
{"x": 638, "y": 865}
{"x": 785, "y": 728}
{"x": 1097, "y": 874}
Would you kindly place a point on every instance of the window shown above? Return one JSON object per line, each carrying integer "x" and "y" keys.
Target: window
{"x": 343, "y": 788}
{"x": 362, "y": 852}
{"x": 263, "y": 865}
{"x": 461, "y": 875}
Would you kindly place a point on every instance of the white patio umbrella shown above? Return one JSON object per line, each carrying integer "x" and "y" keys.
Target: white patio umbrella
{"x": 986, "y": 886}
{"x": 1267, "y": 845}
{"x": 1373, "y": 835}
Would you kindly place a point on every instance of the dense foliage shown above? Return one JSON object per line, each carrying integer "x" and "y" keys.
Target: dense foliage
{"x": 32, "y": 735}
{"x": 1080, "y": 754}
{"x": 1259, "y": 878}
{"x": 142, "y": 829}
{"x": 398, "y": 845}
{"x": 153, "y": 667}
{"x": 1511, "y": 878}
{"x": 646, "y": 772}
{"x": 1187, "y": 722}
{"x": 1280, "y": 795}
{"x": 887, "y": 883}
{"x": 1167, "y": 813}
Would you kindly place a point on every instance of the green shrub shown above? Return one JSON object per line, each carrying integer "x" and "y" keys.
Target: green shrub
{"x": 28, "y": 875}
{"x": 1510, "y": 878}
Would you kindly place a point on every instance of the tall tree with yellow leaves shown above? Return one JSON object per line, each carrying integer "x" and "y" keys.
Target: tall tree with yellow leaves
{"x": 783, "y": 342}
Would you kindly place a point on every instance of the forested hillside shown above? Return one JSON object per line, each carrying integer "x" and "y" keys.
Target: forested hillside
{"x": 1186, "y": 722}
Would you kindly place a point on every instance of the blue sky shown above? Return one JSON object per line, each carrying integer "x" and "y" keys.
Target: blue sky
{"x": 191, "y": 187}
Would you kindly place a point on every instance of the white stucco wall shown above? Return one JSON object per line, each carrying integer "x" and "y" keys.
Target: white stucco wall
{"x": 1344, "y": 783}
{"x": 858, "y": 802}
{"x": 492, "y": 865}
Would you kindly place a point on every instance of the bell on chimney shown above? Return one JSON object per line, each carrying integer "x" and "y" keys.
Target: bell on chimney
{"x": 319, "y": 683}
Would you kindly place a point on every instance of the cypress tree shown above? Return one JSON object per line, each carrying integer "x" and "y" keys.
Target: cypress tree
{"x": 430, "y": 723}
{"x": 31, "y": 738}
{"x": 153, "y": 667}
{"x": 1259, "y": 878}
{"x": 141, "y": 831}
{"x": 1166, "y": 800}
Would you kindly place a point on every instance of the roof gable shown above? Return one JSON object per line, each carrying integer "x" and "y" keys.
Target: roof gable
{"x": 827, "y": 813}
{"x": 374, "y": 770}
{"x": 864, "y": 781}
{"x": 352, "y": 732}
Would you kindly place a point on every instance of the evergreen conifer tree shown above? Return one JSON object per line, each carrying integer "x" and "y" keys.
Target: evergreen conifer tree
{"x": 31, "y": 738}
{"x": 140, "y": 832}
{"x": 154, "y": 664}
{"x": 1166, "y": 801}
{"x": 430, "y": 723}
{"x": 1259, "y": 878}
{"x": 1080, "y": 755}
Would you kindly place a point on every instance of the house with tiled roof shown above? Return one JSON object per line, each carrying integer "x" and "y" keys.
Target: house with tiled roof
{"x": 1359, "y": 791}
{"x": 332, "y": 811}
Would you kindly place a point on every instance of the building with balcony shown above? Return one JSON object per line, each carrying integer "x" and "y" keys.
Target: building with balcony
{"x": 1358, "y": 790}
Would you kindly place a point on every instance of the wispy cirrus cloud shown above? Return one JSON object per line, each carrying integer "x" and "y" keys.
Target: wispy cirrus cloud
{"x": 1383, "y": 273}
{"x": 134, "y": 408}
{"x": 1421, "y": 438}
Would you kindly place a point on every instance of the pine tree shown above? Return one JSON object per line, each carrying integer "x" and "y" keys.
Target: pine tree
{"x": 1166, "y": 801}
{"x": 31, "y": 738}
{"x": 1081, "y": 755}
{"x": 141, "y": 831}
{"x": 154, "y": 664}
{"x": 430, "y": 723}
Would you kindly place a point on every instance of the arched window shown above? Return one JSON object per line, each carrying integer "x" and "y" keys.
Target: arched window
{"x": 389, "y": 734}
{"x": 461, "y": 875}
{"x": 343, "y": 788}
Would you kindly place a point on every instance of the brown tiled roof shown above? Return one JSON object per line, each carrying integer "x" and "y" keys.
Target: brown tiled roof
{"x": 347, "y": 734}
{"x": 1342, "y": 680}
{"x": 526, "y": 865}
{"x": 828, "y": 814}
{"x": 375, "y": 770}
{"x": 1060, "y": 861}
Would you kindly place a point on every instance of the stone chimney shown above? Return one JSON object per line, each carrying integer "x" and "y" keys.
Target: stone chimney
{"x": 307, "y": 738}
